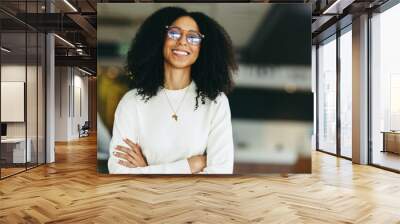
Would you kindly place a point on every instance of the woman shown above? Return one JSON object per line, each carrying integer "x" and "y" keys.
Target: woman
{"x": 176, "y": 118}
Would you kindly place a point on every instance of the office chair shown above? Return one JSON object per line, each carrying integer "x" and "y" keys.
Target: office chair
{"x": 84, "y": 130}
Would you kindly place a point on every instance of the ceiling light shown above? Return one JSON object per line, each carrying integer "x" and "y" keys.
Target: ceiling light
{"x": 5, "y": 49}
{"x": 70, "y": 5}
{"x": 337, "y": 7}
{"x": 326, "y": 11}
{"x": 79, "y": 51}
{"x": 64, "y": 40}
{"x": 86, "y": 72}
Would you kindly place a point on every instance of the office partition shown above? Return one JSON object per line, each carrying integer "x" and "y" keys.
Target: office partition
{"x": 22, "y": 77}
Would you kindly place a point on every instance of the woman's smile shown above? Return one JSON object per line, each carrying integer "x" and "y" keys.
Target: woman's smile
{"x": 180, "y": 53}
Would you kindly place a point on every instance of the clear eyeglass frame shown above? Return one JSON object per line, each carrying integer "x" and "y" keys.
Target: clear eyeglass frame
{"x": 189, "y": 39}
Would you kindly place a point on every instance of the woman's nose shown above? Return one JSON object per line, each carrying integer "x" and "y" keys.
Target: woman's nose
{"x": 182, "y": 40}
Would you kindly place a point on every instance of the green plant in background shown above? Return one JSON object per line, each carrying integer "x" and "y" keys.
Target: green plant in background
{"x": 112, "y": 84}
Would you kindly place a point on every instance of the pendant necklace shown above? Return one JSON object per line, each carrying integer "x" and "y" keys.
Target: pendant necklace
{"x": 174, "y": 114}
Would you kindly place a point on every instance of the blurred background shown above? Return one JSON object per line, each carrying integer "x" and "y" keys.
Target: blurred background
{"x": 272, "y": 103}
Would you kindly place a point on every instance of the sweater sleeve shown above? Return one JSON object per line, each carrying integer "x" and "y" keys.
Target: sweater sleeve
{"x": 220, "y": 153}
{"x": 126, "y": 125}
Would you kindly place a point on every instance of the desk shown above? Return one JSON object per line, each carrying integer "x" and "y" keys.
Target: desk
{"x": 15, "y": 148}
{"x": 391, "y": 141}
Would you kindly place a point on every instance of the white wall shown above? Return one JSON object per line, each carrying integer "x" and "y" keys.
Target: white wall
{"x": 33, "y": 126}
{"x": 61, "y": 103}
{"x": 16, "y": 73}
{"x": 71, "y": 94}
{"x": 80, "y": 96}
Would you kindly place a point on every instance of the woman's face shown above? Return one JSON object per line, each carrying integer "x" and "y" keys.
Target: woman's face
{"x": 180, "y": 53}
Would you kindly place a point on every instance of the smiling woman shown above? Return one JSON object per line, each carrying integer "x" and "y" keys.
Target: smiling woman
{"x": 176, "y": 118}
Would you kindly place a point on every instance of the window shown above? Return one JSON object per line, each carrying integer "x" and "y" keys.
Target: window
{"x": 346, "y": 93}
{"x": 385, "y": 88}
{"x": 327, "y": 96}
{"x": 22, "y": 88}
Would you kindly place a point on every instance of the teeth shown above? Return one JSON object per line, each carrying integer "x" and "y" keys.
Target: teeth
{"x": 180, "y": 52}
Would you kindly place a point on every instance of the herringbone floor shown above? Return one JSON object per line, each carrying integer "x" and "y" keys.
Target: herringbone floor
{"x": 70, "y": 191}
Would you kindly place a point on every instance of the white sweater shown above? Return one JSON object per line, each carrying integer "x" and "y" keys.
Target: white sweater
{"x": 166, "y": 143}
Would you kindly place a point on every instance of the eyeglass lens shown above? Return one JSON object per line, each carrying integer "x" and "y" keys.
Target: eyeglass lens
{"x": 175, "y": 33}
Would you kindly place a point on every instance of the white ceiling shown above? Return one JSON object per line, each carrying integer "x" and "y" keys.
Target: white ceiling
{"x": 239, "y": 20}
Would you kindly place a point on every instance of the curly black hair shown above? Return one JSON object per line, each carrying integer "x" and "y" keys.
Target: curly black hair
{"x": 212, "y": 72}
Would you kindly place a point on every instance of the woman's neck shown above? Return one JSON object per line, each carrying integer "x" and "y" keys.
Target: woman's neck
{"x": 176, "y": 78}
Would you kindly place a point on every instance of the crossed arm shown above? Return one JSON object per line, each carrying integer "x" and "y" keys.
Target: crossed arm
{"x": 132, "y": 157}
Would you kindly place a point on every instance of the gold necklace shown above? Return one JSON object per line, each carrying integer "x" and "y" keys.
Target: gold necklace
{"x": 174, "y": 115}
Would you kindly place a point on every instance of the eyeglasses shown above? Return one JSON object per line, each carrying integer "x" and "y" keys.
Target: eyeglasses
{"x": 192, "y": 37}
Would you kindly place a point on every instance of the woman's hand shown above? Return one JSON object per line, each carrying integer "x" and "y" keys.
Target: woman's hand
{"x": 197, "y": 163}
{"x": 130, "y": 156}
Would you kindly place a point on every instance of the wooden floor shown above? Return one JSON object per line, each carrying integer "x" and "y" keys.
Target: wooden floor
{"x": 70, "y": 191}
{"x": 10, "y": 171}
{"x": 5, "y": 172}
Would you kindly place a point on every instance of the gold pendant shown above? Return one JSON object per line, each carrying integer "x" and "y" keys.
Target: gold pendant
{"x": 174, "y": 116}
